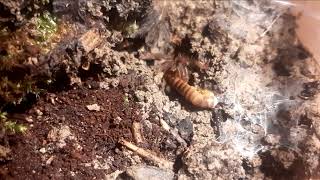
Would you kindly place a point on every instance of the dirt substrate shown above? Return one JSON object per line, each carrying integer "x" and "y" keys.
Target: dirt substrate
{"x": 102, "y": 74}
{"x": 67, "y": 140}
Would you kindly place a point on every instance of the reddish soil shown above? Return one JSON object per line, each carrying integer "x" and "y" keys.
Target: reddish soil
{"x": 93, "y": 134}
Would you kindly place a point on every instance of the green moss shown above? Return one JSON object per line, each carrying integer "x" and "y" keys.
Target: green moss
{"x": 10, "y": 126}
{"x": 3, "y": 116}
{"x": 46, "y": 26}
{"x": 4, "y": 31}
{"x": 44, "y": 2}
{"x": 126, "y": 100}
{"x": 130, "y": 29}
{"x": 6, "y": 62}
{"x": 14, "y": 127}
{"x": 15, "y": 92}
{"x": 33, "y": 39}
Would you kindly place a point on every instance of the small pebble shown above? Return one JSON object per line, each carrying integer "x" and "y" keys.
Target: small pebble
{"x": 29, "y": 119}
{"x": 49, "y": 161}
{"x": 38, "y": 112}
{"x": 93, "y": 107}
{"x": 43, "y": 150}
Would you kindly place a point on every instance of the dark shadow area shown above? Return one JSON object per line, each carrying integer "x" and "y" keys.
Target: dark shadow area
{"x": 276, "y": 164}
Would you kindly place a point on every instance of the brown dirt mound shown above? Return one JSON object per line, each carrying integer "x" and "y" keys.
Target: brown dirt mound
{"x": 67, "y": 140}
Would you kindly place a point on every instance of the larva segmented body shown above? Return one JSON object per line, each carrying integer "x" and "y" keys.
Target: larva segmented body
{"x": 198, "y": 97}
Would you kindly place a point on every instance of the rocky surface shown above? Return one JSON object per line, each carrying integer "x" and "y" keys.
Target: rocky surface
{"x": 267, "y": 123}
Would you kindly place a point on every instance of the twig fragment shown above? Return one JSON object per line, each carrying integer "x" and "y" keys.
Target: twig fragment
{"x": 136, "y": 131}
{"x": 270, "y": 26}
{"x": 147, "y": 154}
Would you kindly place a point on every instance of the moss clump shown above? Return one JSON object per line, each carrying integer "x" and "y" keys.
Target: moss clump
{"x": 19, "y": 52}
{"x": 130, "y": 28}
{"x": 46, "y": 27}
{"x": 44, "y": 2}
{"x": 10, "y": 126}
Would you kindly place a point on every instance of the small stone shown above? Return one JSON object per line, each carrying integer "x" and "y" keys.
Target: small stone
{"x": 256, "y": 161}
{"x": 93, "y": 107}
{"x": 147, "y": 172}
{"x": 65, "y": 133}
{"x": 52, "y": 101}
{"x": 117, "y": 120}
{"x": 49, "y": 161}
{"x": 32, "y": 60}
{"x": 36, "y": 6}
{"x": 43, "y": 150}
{"x": 115, "y": 68}
{"x": 114, "y": 83}
{"x": 185, "y": 128}
{"x": 272, "y": 139}
{"x": 139, "y": 95}
{"x": 29, "y": 119}
{"x": 158, "y": 78}
{"x": 38, "y": 112}
{"x": 74, "y": 80}
{"x": 4, "y": 152}
{"x": 53, "y": 134}
{"x": 60, "y": 135}
{"x": 104, "y": 85}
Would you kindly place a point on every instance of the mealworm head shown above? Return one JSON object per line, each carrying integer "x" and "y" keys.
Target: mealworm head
{"x": 210, "y": 99}
{"x": 213, "y": 101}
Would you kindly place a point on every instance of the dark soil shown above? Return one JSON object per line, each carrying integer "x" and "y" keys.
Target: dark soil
{"x": 94, "y": 136}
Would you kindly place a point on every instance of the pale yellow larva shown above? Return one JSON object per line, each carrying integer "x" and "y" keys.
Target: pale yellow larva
{"x": 198, "y": 97}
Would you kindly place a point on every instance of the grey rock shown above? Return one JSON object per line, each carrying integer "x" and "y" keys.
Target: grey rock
{"x": 185, "y": 128}
{"x": 141, "y": 172}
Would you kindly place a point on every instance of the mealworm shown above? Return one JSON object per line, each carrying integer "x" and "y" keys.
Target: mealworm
{"x": 198, "y": 97}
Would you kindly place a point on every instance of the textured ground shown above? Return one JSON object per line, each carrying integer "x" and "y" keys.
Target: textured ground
{"x": 266, "y": 127}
